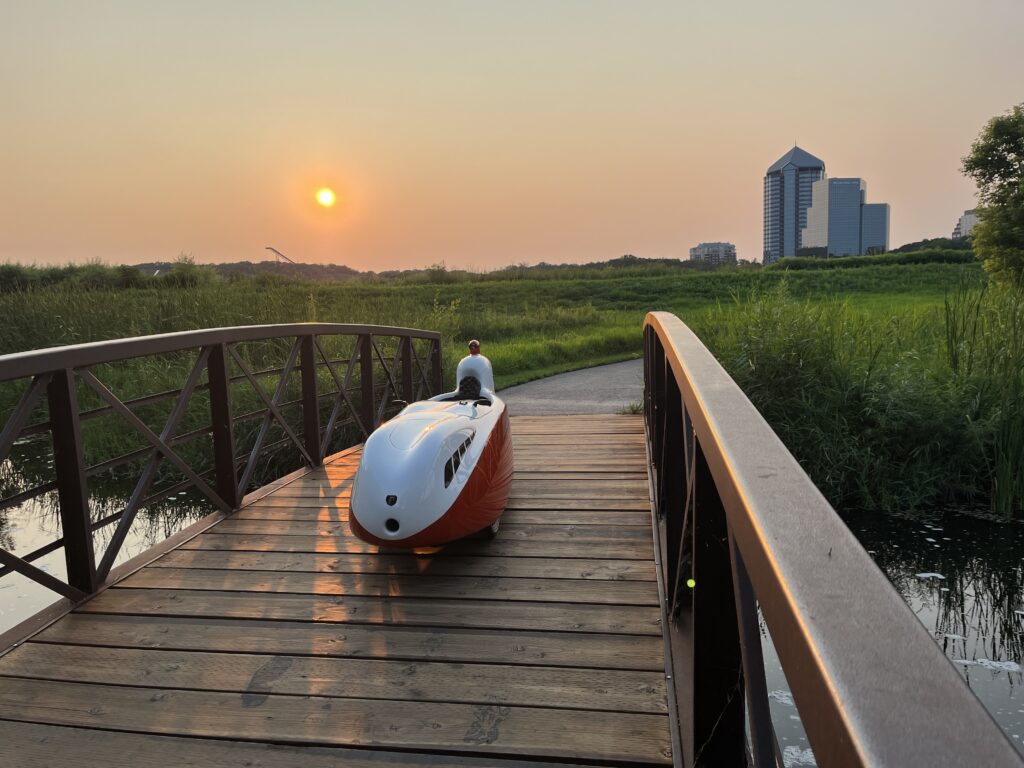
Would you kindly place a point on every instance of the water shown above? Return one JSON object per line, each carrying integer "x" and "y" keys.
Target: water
{"x": 34, "y": 524}
{"x": 963, "y": 579}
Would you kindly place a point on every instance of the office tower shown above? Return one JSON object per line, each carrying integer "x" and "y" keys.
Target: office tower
{"x": 874, "y": 232}
{"x": 965, "y": 224}
{"x": 840, "y": 223}
{"x": 787, "y": 196}
{"x": 715, "y": 254}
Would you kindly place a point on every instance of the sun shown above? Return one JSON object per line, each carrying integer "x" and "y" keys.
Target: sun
{"x": 325, "y": 197}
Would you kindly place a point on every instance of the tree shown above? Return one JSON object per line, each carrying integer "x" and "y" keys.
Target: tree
{"x": 996, "y": 163}
{"x": 998, "y": 240}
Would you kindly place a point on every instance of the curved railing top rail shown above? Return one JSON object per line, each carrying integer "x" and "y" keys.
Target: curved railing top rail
{"x": 34, "y": 362}
{"x": 871, "y": 685}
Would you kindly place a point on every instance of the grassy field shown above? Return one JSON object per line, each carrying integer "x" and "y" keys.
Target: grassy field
{"x": 889, "y": 381}
{"x": 530, "y": 327}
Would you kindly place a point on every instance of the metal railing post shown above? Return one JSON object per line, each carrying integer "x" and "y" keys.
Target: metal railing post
{"x": 436, "y": 369}
{"x": 218, "y": 375}
{"x": 369, "y": 412}
{"x": 659, "y": 376}
{"x": 310, "y": 399}
{"x": 408, "y": 393}
{"x": 72, "y": 488}
{"x": 647, "y": 377}
{"x": 764, "y": 747}
{"x": 672, "y": 500}
{"x": 718, "y": 702}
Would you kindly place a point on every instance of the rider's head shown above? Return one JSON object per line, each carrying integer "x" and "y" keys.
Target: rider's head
{"x": 474, "y": 347}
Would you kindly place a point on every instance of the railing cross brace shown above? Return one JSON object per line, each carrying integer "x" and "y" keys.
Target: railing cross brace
{"x": 272, "y": 411}
{"x": 149, "y": 472}
{"x": 342, "y": 395}
{"x": 152, "y": 438}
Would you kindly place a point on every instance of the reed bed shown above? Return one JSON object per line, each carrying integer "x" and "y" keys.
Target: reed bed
{"x": 910, "y": 411}
{"x": 898, "y": 386}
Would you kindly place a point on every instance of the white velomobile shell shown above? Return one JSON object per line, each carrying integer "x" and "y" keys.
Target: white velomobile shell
{"x": 439, "y": 470}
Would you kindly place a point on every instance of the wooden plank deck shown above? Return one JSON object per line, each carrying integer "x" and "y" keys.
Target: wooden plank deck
{"x": 278, "y": 639}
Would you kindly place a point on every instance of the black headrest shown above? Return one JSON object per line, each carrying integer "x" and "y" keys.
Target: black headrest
{"x": 469, "y": 387}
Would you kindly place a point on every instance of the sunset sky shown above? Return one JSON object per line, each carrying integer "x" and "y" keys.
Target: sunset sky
{"x": 474, "y": 132}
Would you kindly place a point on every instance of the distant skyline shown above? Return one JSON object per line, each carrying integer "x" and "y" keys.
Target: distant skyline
{"x": 473, "y": 132}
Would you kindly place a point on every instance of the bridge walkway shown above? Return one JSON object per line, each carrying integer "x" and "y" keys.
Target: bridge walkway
{"x": 275, "y": 638}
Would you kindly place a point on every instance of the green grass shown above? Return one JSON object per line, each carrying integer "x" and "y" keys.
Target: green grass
{"x": 909, "y": 410}
{"x": 862, "y": 371}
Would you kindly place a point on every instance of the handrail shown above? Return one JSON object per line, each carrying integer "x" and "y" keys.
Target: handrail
{"x": 32, "y": 363}
{"x": 55, "y": 376}
{"x": 740, "y": 524}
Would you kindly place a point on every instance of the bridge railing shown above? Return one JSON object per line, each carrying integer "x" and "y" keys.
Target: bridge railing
{"x": 742, "y": 527}
{"x": 334, "y": 380}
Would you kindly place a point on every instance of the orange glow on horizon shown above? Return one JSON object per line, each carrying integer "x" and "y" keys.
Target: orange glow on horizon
{"x": 479, "y": 135}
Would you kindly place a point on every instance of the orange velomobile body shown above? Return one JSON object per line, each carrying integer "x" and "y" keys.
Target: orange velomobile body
{"x": 474, "y": 500}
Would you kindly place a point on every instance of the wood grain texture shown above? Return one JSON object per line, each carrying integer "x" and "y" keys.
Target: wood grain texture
{"x": 281, "y": 640}
{"x": 510, "y": 567}
{"x": 337, "y": 507}
{"x": 252, "y": 675}
{"x": 355, "y": 641}
{"x": 482, "y": 729}
{"x": 481, "y": 614}
{"x": 574, "y": 547}
{"x": 521, "y": 502}
{"x": 37, "y": 745}
{"x": 509, "y": 530}
{"x": 314, "y": 500}
{"x": 553, "y": 488}
{"x": 620, "y": 441}
{"x": 289, "y": 511}
{"x": 400, "y": 585}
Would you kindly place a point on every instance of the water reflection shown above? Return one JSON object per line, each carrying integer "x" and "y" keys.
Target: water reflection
{"x": 27, "y": 526}
{"x": 963, "y": 578}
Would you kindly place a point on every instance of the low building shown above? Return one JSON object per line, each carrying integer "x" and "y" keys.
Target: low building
{"x": 714, "y": 254}
{"x": 965, "y": 224}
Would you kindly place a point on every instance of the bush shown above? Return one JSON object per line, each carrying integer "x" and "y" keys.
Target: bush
{"x": 903, "y": 413}
{"x": 187, "y": 274}
{"x": 928, "y": 256}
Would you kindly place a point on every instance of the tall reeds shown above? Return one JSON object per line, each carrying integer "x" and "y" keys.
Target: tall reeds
{"x": 985, "y": 343}
{"x": 906, "y": 411}
{"x": 891, "y": 397}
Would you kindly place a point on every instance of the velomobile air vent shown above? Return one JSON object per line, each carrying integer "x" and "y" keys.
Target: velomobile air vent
{"x": 452, "y": 465}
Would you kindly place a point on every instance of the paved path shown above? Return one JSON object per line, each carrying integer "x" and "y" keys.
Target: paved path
{"x": 604, "y": 389}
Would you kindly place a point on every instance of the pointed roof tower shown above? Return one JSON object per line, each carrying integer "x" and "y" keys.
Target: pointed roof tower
{"x": 797, "y": 157}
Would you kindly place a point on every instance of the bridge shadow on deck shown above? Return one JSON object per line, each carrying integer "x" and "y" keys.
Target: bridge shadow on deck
{"x": 278, "y": 638}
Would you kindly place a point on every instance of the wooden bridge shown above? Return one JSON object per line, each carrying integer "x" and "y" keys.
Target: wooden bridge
{"x": 613, "y": 621}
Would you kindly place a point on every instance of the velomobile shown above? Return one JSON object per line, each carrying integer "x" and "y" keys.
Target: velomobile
{"x": 440, "y": 470}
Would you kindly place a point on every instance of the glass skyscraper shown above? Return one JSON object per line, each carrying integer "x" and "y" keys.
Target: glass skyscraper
{"x": 874, "y": 233}
{"x": 841, "y": 223}
{"x": 787, "y": 196}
